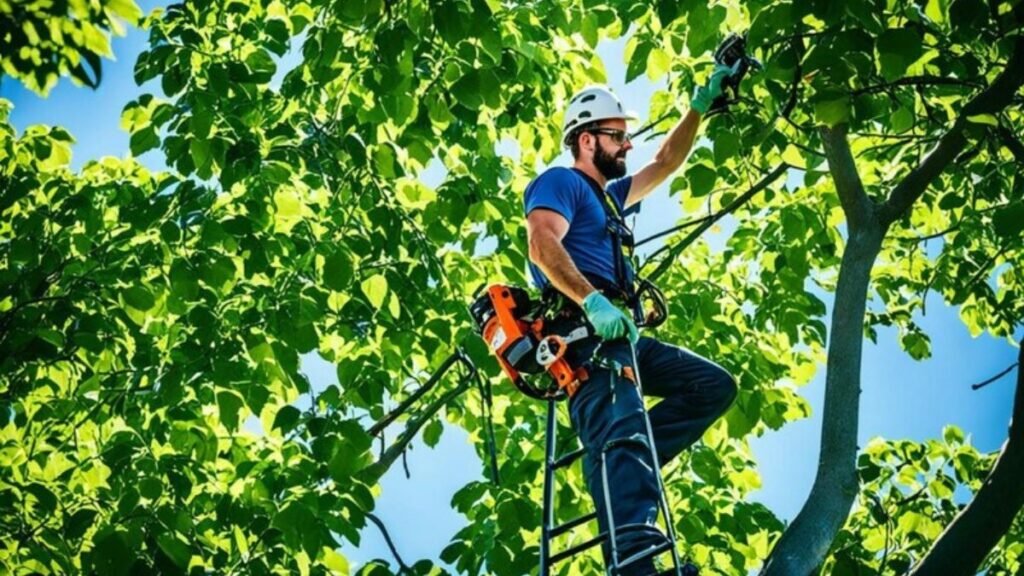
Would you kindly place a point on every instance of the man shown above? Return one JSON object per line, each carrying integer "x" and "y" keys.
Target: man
{"x": 572, "y": 249}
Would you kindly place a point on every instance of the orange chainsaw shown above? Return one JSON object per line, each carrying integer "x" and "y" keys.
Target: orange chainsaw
{"x": 515, "y": 329}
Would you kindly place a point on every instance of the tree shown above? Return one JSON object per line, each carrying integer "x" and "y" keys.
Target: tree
{"x": 145, "y": 318}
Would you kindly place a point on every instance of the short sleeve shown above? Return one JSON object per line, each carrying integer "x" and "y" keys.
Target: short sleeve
{"x": 619, "y": 190}
{"x": 554, "y": 190}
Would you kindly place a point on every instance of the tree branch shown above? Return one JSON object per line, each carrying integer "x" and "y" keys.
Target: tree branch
{"x": 963, "y": 545}
{"x": 981, "y": 385}
{"x": 858, "y": 207}
{"x": 915, "y": 81}
{"x": 403, "y": 568}
{"x": 989, "y": 101}
{"x": 380, "y": 425}
{"x": 676, "y": 249}
{"x": 373, "y": 472}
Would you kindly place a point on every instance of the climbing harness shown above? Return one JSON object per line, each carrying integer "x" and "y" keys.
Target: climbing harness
{"x": 642, "y": 297}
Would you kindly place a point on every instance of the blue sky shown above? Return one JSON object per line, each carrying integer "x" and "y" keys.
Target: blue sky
{"x": 901, "y": 398}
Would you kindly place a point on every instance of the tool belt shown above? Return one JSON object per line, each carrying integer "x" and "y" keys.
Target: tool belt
{"x": 530, "y": 338}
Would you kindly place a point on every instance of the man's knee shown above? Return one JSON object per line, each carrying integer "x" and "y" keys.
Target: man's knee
{"x": 725, "y": 389}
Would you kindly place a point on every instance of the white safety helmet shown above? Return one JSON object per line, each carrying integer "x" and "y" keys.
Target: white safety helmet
{"x": 591, "y": 104}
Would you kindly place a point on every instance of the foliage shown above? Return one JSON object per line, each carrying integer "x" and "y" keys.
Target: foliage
{"x": 910, "y": 492}
{"x": 41, "y": 40}
{"x": 337, "y": 190}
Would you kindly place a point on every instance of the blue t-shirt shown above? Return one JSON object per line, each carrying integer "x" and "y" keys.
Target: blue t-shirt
{"x": 588, "y": 241}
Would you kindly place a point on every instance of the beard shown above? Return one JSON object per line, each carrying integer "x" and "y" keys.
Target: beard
{"x": 610, "y": 166}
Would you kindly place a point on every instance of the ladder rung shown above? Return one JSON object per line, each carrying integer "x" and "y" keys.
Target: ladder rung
{"x": 648, "y": 553}
{"x": 562, "y": 529}
{"x": 572, "y": 551}
{"x": 567, "y": 459}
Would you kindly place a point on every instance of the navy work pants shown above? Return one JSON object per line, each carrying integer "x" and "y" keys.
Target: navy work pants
{"x": 695, "y": 393}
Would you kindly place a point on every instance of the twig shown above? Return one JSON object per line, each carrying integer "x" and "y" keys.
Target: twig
{"x": 675, "y": 249}
{"x": 403, "y": 568}
{"x": 981, "y": 385}
{"x": 915, "y": 81}
{"x": 380, "y": 425}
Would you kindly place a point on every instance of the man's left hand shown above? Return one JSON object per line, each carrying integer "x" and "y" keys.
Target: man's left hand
{"x": 705, "y": 96}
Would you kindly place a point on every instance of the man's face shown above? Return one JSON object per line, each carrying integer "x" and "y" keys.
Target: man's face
{"x": 609, "y": 157}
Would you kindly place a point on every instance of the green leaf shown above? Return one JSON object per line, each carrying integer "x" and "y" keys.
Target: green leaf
{"x": 229, "y": 403}
{"x": 432, "y": 432}
{"x": 987, "y": 119}
{"x": 176, "y": 548}
{"x": 467, "y": 90}
{"x": 139, "y": 297}
{"x": 637, "y": 59}
{"x": 1009, "y": 222}
{"x": 46, "y": 501}
{"x": 151, "y": 488}
{"x": 953, "y": 435}
{"x": 706, "y": 466}
{"x": 334, "y": 561}
{"x": 701, "y": 179}
{"x": 183, "y": 282}
{"x": 384, "y": 160}
{"x": 79, "y": 523}
{"x": 376, "y": 289}
{"x": 901, "y": 120}
{"x": 111, "y": 555}
{"x": 898, "y": 48}
{"x": 658, "y": 64}
{"x": 831, "y": 109}
{"x": 143, "y": 140}
{"x": 200, "y": 152}
{"x": 917, "y": 344}
{"x": 286, "y": 419}
{"x": 261, "y": 65}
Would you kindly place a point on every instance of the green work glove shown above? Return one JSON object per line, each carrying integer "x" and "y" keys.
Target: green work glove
{"x": 609, "y": 322}
{"x": 705, "y": 96}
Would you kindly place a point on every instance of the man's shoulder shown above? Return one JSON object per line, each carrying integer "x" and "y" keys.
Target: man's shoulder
{"x": 556, "y": 175}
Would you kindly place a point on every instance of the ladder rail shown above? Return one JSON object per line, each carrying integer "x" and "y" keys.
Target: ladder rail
{"x": 551, "y": 530}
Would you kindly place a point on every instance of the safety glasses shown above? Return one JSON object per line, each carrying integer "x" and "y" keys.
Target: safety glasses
{"x": 619, "y": 137}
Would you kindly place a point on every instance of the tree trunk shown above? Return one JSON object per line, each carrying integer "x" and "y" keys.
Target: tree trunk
{"x": 805, "y": 543}
{"x": 964, "y": 544}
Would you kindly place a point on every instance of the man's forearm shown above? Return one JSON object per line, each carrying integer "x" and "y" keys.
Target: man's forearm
{"x": 551, "y": 257}
{"x": 676, "y": 147}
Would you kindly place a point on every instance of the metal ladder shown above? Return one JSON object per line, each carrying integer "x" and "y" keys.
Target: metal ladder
{"x": 551, "y": 530}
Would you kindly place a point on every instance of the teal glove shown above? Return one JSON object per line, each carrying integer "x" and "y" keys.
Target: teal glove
{"x": 609, "y": 322}
{"x": 705, "y": 96}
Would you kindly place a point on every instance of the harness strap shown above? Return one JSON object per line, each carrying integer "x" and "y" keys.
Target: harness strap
{"x": 620, "y": 233}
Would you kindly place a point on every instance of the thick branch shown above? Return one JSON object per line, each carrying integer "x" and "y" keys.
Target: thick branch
{"x": 858, "y": 207}
{"x": 402, "y": 408}
{"x": 373, "y": 472}
{"x": 678, "y": 248}
{"x": 989, "y": 101}
{"x": 805, "y": 543}
{"x": 964, "y": 544}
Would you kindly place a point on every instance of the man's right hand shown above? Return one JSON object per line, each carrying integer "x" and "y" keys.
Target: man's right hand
{"x": 609, "y": 322}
